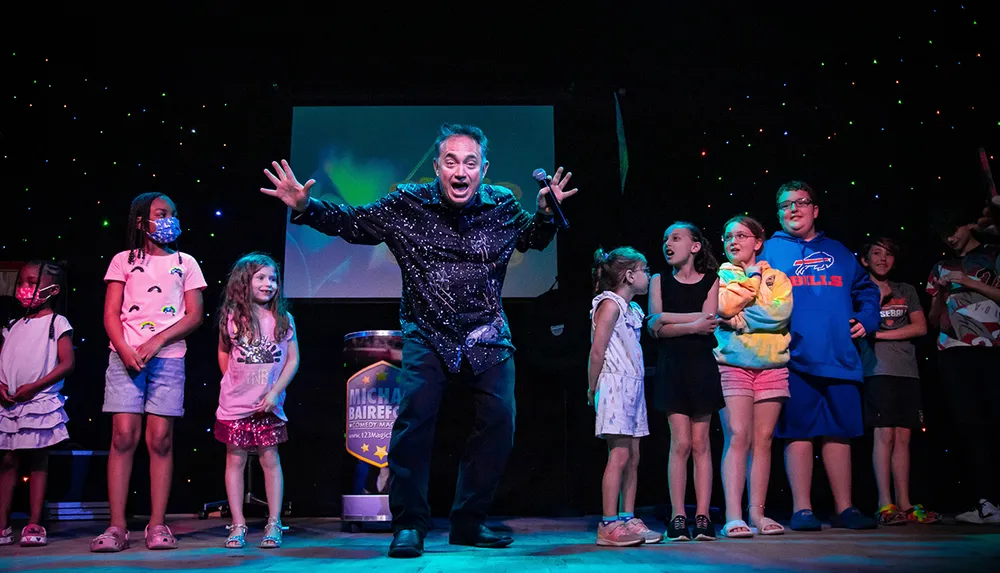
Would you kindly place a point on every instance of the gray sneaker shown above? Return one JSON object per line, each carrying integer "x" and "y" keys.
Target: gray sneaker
{"x": 636, "y": 526}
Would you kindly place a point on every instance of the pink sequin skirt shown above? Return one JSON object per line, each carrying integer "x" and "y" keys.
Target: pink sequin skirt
{"x": 256, "y": 431}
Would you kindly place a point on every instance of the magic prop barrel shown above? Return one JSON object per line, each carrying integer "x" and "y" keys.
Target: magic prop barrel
{"x": 373, "y": 360}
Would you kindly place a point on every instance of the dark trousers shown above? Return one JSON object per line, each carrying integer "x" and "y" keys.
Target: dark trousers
{"x": 423, "y": 381}
{"x": 969, "y": 377}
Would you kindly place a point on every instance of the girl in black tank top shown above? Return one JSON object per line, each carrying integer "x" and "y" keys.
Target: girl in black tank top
{"x": 682, "y": 317}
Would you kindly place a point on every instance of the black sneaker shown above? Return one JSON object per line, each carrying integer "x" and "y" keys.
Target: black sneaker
{"x": 677, "y": 529}
{"x": 704, "y": 529}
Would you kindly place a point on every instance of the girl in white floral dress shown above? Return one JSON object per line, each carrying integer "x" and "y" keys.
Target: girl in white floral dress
{"x": 616, "y": 391}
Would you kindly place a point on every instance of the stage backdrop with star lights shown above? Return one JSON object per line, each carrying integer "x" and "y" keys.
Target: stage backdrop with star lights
{"x": 882, "y": 110}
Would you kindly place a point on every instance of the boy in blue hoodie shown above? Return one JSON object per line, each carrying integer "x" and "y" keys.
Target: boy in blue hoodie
{"x": 835, "y": 303}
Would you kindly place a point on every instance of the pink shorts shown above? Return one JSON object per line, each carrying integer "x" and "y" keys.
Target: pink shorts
{"x": 755, "y": 383}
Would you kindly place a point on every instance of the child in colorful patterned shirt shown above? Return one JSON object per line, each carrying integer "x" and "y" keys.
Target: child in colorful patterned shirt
{"x": 965, "y": 306}
{"x": 755, "y": 306}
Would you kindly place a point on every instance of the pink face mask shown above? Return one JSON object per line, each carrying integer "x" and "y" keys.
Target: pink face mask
{"x": 27, "y": 297}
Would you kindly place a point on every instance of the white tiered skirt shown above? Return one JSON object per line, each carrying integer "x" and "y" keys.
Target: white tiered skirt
{"x": 36, "y": 424}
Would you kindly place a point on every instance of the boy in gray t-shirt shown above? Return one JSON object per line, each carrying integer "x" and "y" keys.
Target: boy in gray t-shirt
{"x": 892, "y": 386}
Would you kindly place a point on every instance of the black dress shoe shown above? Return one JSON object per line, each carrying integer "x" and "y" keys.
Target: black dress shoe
{"x": 406, "y": 543}
{"x": 479, "y": 537}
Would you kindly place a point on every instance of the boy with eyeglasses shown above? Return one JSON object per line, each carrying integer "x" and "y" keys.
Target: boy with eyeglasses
{"x": 835, "y": 303}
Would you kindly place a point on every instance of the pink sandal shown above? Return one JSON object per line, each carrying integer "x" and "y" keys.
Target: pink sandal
{"x": 113, "y": 540}
{"x": 7, "y": 536}
{"x": 34, "y": 535}
{"x": 160, "y": 537}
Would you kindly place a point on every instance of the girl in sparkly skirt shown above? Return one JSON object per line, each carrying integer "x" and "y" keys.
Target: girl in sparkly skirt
{"x": 258, "y": 356}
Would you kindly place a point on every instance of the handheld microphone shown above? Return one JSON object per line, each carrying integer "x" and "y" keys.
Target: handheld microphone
{"x": 543, "y": 181}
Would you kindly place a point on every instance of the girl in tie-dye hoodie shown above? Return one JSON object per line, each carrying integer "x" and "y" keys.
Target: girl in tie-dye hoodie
{"x": 755, "y": 304}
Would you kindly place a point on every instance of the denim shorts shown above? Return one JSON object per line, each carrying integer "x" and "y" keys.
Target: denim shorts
{"x": 157, "y": 389}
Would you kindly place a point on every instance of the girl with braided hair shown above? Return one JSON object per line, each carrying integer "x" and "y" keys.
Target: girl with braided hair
{"x": 36, "y": 357}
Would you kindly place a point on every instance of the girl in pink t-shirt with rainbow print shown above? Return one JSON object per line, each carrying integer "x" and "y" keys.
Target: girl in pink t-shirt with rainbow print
{"x": 258, "y": 356}
{"x": 152, "y": 303}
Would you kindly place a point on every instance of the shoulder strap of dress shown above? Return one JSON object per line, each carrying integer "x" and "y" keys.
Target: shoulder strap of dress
{"x": 622, "y": 310}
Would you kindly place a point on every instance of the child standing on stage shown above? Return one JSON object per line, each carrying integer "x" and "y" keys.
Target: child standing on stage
{"x": 615, "y": 373}
{"x": 836, "y": 303}
{"x": 36, "y": 357}
{"x": 153, "y": 303}
{"x": 892, "y": 385}
{"x": 258, "y": 356}
{"x": 965, "y": 306}
{"x": 682, "y": 316}
{"x": 755, "y": 305}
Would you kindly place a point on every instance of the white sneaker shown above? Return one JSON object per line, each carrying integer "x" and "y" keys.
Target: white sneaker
{"x": 984, "y": 513}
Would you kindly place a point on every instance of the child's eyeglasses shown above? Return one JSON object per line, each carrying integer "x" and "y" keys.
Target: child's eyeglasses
{"x": 799, "y": 204}
{"x": 738, "y": 236}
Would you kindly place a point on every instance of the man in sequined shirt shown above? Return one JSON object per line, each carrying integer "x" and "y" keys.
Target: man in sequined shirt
{"x": 453, "y": 238}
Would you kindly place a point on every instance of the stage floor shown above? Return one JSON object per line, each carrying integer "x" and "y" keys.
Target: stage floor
{"x": 314, "y": 545}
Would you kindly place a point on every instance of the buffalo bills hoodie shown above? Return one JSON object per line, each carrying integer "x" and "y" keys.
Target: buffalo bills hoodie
{"x": 830, "y": 288}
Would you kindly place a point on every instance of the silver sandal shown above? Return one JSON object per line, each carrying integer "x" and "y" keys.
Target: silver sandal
{"x": 272, "y": 534}
{"x": 237, "y": 536}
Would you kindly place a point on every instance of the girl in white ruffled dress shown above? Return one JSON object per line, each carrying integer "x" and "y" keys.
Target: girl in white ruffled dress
{"x": 36, "y": 356}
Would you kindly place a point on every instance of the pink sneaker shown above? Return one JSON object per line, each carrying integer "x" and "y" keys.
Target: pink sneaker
{"x": 636, "y": 526}
{"x": 617, "y": 534}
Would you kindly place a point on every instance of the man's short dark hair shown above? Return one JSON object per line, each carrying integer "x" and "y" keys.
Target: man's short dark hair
{"x": 797, "y": 186}
{"x": 945, "y": 220}
{"x": 450, "y": 129}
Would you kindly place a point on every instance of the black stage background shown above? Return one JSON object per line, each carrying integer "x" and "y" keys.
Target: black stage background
{"x": 200, "y": 107}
